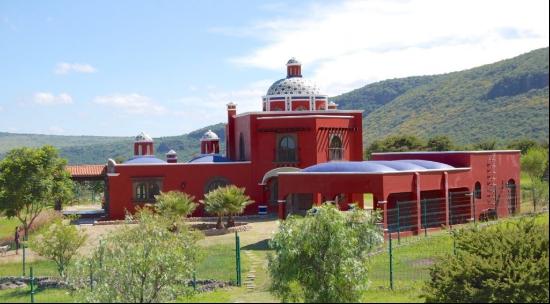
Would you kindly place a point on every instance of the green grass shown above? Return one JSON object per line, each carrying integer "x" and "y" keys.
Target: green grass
{"x": 23, "y": 295}
{"x": 218, "y": 262}
{"x": 40, "y": 268}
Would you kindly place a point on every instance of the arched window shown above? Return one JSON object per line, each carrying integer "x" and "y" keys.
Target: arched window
{"x": 241, "y": 147}
{"x": 215, "y": 183}
{"x": 335, "y": 150}
{"x": 512, "y": 196}
{"x": 141, "y": 192}
{"x": 477, "y": 190}
{"x": 286, "y": 149}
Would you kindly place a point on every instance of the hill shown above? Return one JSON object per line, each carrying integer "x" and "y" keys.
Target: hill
{"x": 504, "y": 101}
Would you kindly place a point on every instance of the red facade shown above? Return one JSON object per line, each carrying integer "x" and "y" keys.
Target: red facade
{"x": 301, "y": 151}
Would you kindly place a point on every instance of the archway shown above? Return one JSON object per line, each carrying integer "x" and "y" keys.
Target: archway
{"x": 512, "y": 196}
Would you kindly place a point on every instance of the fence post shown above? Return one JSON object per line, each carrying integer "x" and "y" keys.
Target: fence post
{"x": 32, "y": 285}
{"x": 454, "y": 245}
{"x": 450, "y": 210}
{"x": 23, "y": 247}
{"x": 425, "y": 219}
{"x": 398, "y": 225}
{"x": 390, "y": 248}
{"x": 474, "y": 206}
{"x": 91, "y": 277}
{"x": 194, "y": 280}
{"x": 238, "y": 258}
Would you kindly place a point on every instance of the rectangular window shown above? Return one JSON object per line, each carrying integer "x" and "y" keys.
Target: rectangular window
{"x": 145, "y": 189}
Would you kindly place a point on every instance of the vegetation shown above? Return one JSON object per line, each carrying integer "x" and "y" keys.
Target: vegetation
{"x": 59, "y": 243}
{"x": 144, "y": 263}
{"x": 504, "y": 264}
{"x": 507, "y": 100}
{"x": 229, "y": 200}
{"x": 175, "y": 205}
{"x": 330, "y": 267}
{"x": 31, "y": 180}
{"x": 535, "y": 163}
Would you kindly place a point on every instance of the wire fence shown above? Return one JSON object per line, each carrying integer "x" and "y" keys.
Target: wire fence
{"x": 418, "y": 235}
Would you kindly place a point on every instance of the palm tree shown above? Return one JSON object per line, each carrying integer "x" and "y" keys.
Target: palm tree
{"x": 175, "y": 205}
{"x": 229, "y": 200}
{"x": 214, "y": 204}
{"x": 237, "y": 200}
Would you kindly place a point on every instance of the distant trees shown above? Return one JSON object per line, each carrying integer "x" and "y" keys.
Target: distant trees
{"x": 32, "y": 179}
{"x": 507, "y": 263}
{"x": 404, "y": 143}
{"x": 323, "y": 257}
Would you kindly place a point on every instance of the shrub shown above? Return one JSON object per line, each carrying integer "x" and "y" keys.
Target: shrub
{"x": 323, "y": 257}
{"x": 505, "y": 263}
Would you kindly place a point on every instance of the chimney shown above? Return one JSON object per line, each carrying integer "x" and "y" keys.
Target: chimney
{"x": 171, "y": 157}
{"x": 332, "y": 106}
{"x": 230, "y": 131}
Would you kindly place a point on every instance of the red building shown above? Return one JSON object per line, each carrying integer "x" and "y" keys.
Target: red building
{"x": 300, "y": 151}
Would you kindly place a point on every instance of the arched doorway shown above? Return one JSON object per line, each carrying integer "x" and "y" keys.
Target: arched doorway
{"x": 270, "y": 182}
{"x": 512, "y": 196}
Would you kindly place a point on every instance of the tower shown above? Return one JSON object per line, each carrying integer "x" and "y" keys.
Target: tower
{"x": 210, "y": 143}
{"x": 143, "y": 145}
{"x": 171, "y": 157}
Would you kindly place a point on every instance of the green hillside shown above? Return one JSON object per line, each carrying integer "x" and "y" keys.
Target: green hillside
{"x": 504, "y": 101}
{"x": 96, "y": 150}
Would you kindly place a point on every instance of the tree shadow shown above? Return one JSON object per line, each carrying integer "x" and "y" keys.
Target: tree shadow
{"x": 261, "y": 245}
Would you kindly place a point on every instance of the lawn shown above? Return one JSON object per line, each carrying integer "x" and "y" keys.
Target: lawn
{"x": 411, "y": 261}
{"x": 7, "y": 227}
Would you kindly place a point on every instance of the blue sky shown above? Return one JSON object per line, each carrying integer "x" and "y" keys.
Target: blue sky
{"x": 169, "y": 67}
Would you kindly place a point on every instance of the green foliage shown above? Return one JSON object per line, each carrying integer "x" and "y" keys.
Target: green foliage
{"x": 486, "y": 145}
{"x": 535, "y": 163}
{"x": 506, "y": 100}
{"x": 439, "y": 143}
{"x": 396, "y": 143}
{"x": 507, "y": 263}
{"x": 141, "y": 263}
{"x": 229, "y": 200}
{"x": 175, "y": 204}
{"x": 323, "y": 257}
{"x": 523, "y": 144}
{"x": 32, "y": 179}
{"x": 59, "y": 243}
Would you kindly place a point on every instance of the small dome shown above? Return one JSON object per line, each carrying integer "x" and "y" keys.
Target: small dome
{"x": 293, "y": 86}
{"x": 293, "y": 61}
{"x": 142, "y": 137}
{"x": 171, "y": 152}
{"x": 209, "y": 135}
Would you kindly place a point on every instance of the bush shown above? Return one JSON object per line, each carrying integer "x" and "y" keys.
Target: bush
{"x": 507, "y": 263}
{"x": 324, "y": 256}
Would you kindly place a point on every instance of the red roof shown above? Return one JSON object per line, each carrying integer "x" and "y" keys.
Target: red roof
{"x": 86, "y": 170}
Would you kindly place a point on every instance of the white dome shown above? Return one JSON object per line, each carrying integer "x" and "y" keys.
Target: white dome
{"x": 142, "y": 137}
{"x": 209, "y": 135}
{"x": 171, "y": 152}
{"x": 293, "y": 86}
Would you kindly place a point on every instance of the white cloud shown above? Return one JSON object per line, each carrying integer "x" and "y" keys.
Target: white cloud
{"x": 349, "y": 44}
{"x": 47, "y": 98}
{"x": 131, "y": 103}
{"x": 63, "y": 68}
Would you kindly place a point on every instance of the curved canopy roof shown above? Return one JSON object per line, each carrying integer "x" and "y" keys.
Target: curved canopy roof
{"x": 381, "y": 166}
{"x": 144, "y": 159}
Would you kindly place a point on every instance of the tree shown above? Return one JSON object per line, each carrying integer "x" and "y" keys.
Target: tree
{"x": 323, "y": 256}
{"x": 507, "y": 263}
{"x": 395, "y": 143}
{"x": 59, "y": 242}
{"x": 175, "y": 205}
{"x": 214, "y": 204}
{"x": 236, "y": 201}
{"x": 32, "y": 179}
{"x": 143, "y": 263}
{"x": 534, "y": 163}
{"x": 487, "y": 145}
{"x": 523, "y": 145}
{"x": 439, "y": 143}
